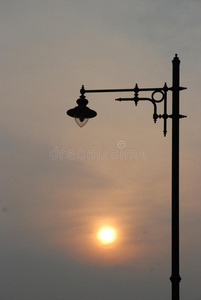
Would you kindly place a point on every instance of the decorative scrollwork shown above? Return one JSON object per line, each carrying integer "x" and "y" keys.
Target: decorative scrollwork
{"x": 153, "y": 99}
{"x": 158, "y": 95}
{"x": 158, "y": 100}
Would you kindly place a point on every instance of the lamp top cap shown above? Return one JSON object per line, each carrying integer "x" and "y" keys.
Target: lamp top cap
{"x": 176, "y": 57}
{"x": 176, "y": 60}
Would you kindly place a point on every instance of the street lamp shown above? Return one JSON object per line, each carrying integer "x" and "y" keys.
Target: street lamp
{"x": 82, "y": 113}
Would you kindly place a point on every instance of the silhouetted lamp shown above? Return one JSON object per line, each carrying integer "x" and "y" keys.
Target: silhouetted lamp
{"x": 81, "y": 113}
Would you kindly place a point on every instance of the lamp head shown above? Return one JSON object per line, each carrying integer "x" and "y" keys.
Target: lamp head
{"x": 81, "y": 113}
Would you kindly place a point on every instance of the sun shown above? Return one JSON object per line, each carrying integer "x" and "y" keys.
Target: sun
{"x": 107, "y": 235}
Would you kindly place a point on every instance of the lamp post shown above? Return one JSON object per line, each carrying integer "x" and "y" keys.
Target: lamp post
{"x": 82, "y": 113}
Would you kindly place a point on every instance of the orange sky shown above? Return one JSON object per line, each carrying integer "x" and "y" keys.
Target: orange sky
{"x": 60, "y": 183}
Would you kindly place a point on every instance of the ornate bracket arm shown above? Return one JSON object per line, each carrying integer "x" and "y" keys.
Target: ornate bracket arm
{"x": 162, "y": 91}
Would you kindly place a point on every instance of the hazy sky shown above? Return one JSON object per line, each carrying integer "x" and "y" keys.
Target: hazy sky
{"x": 60, "y": 183}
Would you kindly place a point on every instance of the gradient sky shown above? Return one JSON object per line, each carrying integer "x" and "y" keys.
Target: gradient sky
{"x": 60, "y": 183}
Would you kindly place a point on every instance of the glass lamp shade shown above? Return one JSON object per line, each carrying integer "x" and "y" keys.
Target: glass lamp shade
{"x": 82, "y": 114}
{"x": 81, "y": 122}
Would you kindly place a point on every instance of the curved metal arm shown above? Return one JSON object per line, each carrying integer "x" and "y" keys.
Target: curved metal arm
{"x": 163, "y": 91}
{"x": 154, "y": 101}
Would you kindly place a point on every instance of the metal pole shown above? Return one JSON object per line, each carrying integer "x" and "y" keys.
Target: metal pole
{"x": 175, "y": 277}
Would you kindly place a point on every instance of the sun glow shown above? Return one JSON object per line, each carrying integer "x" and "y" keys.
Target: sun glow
{"x": 107, "y": 235}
